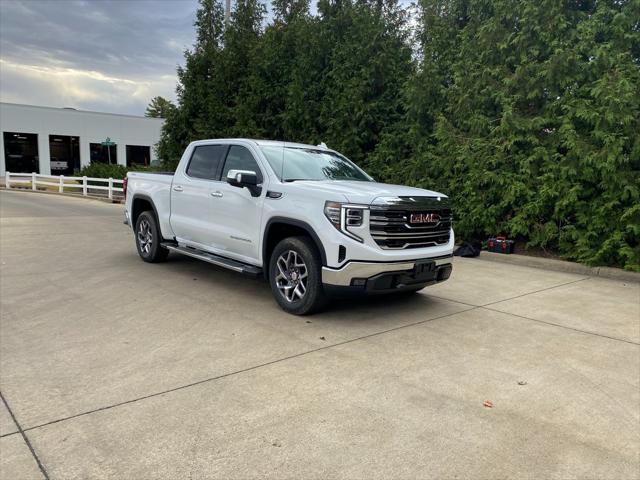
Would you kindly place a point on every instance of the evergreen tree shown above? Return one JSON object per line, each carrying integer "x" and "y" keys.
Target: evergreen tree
{"x": 159, "y": 107}
{"x": 368, "y": 66}
{"x": 196, "y": 115}
{"x": 241, "y": 40}
{"x": 535, "y": 134}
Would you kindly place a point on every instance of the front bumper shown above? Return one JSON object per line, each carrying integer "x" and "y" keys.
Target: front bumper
{"x": 386, "y": 276}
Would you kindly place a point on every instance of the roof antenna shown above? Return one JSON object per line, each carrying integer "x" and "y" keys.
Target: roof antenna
{"x": 323, "y": 145}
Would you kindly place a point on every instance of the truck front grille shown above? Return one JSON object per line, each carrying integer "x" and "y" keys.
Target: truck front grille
{"x": 392, "y": 228}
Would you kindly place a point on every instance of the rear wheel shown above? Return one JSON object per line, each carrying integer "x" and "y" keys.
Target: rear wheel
{"x": 295, "y": 275}
{"x": 148, "y": 239}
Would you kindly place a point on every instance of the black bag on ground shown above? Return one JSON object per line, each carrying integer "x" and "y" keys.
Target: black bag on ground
{"x": 468, "y": 249}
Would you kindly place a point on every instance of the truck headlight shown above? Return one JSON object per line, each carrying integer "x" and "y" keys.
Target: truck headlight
{"x": 344, "y": 215}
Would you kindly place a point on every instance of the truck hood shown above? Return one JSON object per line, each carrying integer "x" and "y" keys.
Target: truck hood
{"x": 365, "y": 192}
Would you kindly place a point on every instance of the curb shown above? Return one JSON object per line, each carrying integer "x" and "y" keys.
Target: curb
{"x": 72, "y": 195}
{"x": 561, "y": 266}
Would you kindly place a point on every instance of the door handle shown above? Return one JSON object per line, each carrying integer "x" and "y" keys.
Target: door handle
{"x": 177, "y": 188}
{"x": 216, "y": 194}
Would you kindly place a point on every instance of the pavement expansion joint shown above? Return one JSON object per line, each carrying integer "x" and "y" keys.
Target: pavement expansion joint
{"x": 244, "y": 370}
{"x": 536, "y": 291}
{"x": 25, "y": 438}
{"x": 587, "y": 332}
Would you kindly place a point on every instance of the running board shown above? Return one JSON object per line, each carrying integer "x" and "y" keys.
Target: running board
{"x": 215, "y": 259}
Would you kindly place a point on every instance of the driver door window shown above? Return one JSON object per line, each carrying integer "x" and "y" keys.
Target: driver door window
{"x": 240, "y": 158}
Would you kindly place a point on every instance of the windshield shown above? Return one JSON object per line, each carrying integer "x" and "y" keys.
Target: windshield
{"x": 311, "y": 164}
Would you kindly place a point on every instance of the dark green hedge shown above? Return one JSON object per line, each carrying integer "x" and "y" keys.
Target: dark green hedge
{"x": 526, "y": 113}
{"x": 103, "y": 170}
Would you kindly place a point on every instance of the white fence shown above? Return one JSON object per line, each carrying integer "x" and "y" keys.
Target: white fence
{"x": 87, "y": 186}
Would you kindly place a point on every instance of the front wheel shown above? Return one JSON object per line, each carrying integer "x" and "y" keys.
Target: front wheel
{"x": 148, "y": 239}
{"x": 295, "y": 275}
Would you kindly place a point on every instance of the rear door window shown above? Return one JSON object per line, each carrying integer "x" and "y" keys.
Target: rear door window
{"x": 205, "y": 161}
{"x": 240, "y": 158}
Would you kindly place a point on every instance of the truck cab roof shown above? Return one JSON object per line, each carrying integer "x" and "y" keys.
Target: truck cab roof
{"x": 265, "y": 143}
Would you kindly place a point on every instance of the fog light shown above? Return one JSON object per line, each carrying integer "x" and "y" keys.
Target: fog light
{"x": 358, "y": 282}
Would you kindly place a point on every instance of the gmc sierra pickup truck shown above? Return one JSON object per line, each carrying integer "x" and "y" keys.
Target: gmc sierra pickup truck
{"x": 305, "y": 217}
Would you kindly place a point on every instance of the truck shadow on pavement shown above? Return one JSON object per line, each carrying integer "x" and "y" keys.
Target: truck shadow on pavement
{"x": 258, "y": 289}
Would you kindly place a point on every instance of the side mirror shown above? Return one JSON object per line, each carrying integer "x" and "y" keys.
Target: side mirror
{"x": 244, "y": 178}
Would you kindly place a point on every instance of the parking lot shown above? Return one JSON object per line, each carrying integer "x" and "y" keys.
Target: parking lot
{"x": 114, "y": 368}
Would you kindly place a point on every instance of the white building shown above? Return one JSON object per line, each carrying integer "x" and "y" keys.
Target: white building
{"x": 60, "y": 141}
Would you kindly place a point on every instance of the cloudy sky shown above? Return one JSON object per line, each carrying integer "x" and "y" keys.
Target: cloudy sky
{"x": 105, "y": 55}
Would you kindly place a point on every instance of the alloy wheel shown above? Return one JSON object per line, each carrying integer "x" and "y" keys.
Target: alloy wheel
{"x": 145, "y": 236}
{"x": 291, "y": 276}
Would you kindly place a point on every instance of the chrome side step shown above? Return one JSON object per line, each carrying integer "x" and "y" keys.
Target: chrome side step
{"x": 215, "y": 259}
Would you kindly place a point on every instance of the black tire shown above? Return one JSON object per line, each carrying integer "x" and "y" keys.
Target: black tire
{"x": 148, "y": 238}
{"x": 295, "y": 299}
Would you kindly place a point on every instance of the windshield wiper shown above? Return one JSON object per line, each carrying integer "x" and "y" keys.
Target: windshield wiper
{"x": 301, "y": 180}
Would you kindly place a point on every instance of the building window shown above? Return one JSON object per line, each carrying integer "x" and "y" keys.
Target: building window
{"x": 65, "y": 154}
{"x": 21, "y": 152}
{"x": 100, "y": 154}
{"x": 139, "y": 155}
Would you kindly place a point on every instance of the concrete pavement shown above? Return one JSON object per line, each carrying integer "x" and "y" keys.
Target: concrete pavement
{"x": 114, "y": 368}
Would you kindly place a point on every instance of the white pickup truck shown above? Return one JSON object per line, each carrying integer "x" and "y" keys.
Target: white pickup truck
{"x": 305, "y": 217}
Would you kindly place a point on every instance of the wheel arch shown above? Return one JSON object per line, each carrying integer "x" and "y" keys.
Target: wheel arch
{"x": 278, "y": 228}
{"x": 139, "y": 202}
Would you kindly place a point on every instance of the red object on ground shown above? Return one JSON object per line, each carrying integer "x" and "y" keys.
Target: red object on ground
{"x": 500, "y": 245}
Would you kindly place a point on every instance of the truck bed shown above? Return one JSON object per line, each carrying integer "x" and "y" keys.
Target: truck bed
{"x": 156, "y": 188}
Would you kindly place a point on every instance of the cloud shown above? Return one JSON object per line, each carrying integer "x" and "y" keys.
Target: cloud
{"x": 106, "y": 55}
{"x": 85, "y": 89}
{"x": 96, "y": 55}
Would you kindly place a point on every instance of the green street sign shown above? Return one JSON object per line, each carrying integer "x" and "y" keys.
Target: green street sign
{"x": 108, "y": 143}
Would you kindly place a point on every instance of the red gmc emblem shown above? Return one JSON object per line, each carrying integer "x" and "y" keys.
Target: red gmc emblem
{"x": 424, "y": 218}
